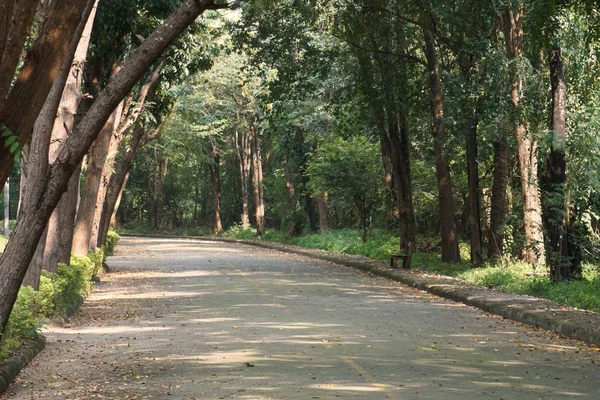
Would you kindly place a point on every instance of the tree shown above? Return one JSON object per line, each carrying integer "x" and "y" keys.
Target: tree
{"x": 351, "y": 170}
{"x": 29, "y": 228}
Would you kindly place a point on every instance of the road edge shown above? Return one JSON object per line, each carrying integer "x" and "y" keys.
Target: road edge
{"x": 446, "y": 287}
{"x": 11, "y": 368}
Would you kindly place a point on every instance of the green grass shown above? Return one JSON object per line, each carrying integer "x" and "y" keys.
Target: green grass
{"x": 513, "y": 277}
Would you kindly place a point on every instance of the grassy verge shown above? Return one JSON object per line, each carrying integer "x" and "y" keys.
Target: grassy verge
{"x": 513, "y": 277}
{"x": 60, "y": 294}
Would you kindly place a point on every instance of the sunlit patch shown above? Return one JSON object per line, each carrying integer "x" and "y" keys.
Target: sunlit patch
{"x": 210, "y": 320}
{"x": 354, "y": 388}
{"x": 111, "y": 330}
{"x": 146, "y": 295}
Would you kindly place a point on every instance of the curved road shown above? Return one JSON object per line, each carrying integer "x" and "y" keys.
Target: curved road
{"x": 183, "y": 319}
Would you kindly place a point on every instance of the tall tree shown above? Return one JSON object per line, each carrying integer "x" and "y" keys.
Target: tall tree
{"x": 35, "y": 79}
{"x": 29, "y": 229}
{"x": 512, "y": 24}
{"x": 449, "y": 234}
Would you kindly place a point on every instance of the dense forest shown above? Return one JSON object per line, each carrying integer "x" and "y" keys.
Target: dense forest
{"x": 450, "y": 123}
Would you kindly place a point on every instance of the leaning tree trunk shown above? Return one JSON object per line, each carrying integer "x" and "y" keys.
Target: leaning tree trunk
{"x": 128, "y": 117}
{"x": 15, "y": 23}
{"x": 84, "y": 222}
{"x": 257, "y": 181}
{"x": 512, "y": 22}
{"x": 39, "y": 147}
{"x": 59, "y": 239}
{"x": 29, "y": 229}
{"x": 39, "y": 71}
{"x": 450, "y": 252}
{"x": 118, "y": 180}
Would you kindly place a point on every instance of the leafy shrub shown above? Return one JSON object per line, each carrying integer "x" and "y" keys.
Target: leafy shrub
{"x": 72, "y": 283}
{"x": 97, "y": 257}
{"x": 111, "y": 242}
{"x": 238, "y": 232}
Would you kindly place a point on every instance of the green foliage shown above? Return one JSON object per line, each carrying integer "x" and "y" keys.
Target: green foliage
{"x": 72, "y": 283}
{"x": 349, "y": 169}
{"x": 11, "y": 142}
{"x": 237, "y": 231}
{"x": 111, "y": 242}
{"x": 97, "y": 257}
{"x": 59, "y": 293}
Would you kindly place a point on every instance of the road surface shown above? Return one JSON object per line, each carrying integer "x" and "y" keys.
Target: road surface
{"x": 183, "y": 319}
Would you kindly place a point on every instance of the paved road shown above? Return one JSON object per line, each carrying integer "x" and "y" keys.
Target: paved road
{"x": 180, "y": 319}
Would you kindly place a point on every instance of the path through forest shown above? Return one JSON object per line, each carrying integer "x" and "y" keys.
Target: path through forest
{"x": 186, "y": 319}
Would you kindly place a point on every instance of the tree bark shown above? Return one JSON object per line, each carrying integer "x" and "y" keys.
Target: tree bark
{"x": 35, "y": 80}
{"x": 215, "y": 183}
{"x": 15, "y": 23}
{"x": 242, "y": 148}
{"x": 84, "y": 223}
{"x": 450, "y": 251}
{"x": 61, "y": 224}
{"x": 6, "y": 209}
{"x": 564, "y": 255}
{"x": 39, "y": 148}
{"x": 29, "y": 229}
{"x": 473, "y": 197}
{"x": 118, "y": 180}
{"x": 498, "y": 197}
{"x": 127, "y": 121}
{"x": 257, "y": 181}
{"x": 512, "y": 22}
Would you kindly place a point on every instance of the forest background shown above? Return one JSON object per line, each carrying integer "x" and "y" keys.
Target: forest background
{"x": 468, "y": 128}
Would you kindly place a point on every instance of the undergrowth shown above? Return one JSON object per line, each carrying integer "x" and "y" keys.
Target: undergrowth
{"x": 60, "y": 294}
{"x": 512, "y": 277}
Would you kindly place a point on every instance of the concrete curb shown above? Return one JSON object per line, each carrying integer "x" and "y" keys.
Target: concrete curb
{"x": 11, "y": 368}
{"x": 525, "y": 309}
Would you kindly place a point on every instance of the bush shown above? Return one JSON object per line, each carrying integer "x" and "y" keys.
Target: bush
{"x": 111, "y": 242}
{"x": 238, "y": 232}
{"x": 97, "y": 257}
{"x": 59, "y": 293}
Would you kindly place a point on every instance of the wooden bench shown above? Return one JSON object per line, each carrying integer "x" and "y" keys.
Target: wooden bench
{"x": 406, "y": 258}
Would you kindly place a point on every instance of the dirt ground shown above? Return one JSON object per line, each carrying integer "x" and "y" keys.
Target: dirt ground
{"x": 178, "y": 319}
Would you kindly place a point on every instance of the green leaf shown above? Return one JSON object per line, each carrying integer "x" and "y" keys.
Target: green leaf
{"x": 14, "y": 147}
{"x": 9, "y": 141}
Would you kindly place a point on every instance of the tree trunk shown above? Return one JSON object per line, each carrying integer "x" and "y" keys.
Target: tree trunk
{"x": 473, "y": 197}
{"x": 450, "y": 252}
{"x": 322, "y": 205}
{"x": 61, "y": 224}
{"x": 215, "y": 183}
{"x": 118, "y": 180}
{"x": 29, "y": 229}
{"x": 257, "y": 180}
{"x": 242, "y": 148}
{"x": 84, "y": 222}
{"x": 157, "y": 172}
{"x": 564, "y": 257}
{"x": 6, "y": 209}
{"x": 498, "y": 197}
{"x": 526, "y": 146}
{"x": 35, "y": 80}
{"x": 39, "y": 147}
{"x": 127, "y": 121}
{"x": 15, "y": 23}
{"x": 387, "y": 180}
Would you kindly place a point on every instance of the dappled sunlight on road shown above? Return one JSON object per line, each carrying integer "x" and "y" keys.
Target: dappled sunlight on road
{"x": 252, "y": 324}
